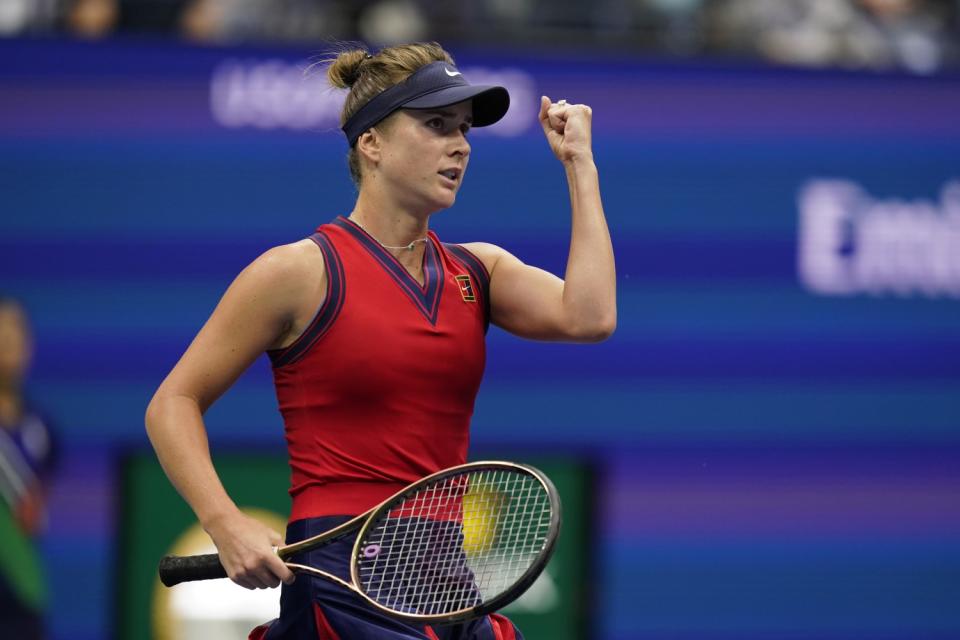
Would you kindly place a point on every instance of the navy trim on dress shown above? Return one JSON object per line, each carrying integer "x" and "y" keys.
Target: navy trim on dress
{"x": 478, "y": 271}
{"x": 426, "y": 297}
{"x": 328, "y": 312}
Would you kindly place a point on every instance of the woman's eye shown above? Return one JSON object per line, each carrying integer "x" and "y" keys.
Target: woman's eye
{"x": 435, "y": 123}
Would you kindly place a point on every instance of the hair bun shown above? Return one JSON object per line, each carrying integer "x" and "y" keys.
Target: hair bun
{"x": 344, "y": 72}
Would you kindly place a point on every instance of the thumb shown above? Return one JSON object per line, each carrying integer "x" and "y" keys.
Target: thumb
{"x": 278, "y": 566}
{"x": 280, "y": 569}
{"x": 544, "y": 106}
{"x": 285, "y": 574}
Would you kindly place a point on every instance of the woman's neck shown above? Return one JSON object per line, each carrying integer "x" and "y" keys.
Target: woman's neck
{"x": 388, "y": 222}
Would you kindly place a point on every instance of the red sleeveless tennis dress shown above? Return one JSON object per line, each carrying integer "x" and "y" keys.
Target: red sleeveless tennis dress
{"x": 379, "y": 390}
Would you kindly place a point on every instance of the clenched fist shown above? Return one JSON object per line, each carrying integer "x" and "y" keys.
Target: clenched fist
{"x": 567, "y": 127}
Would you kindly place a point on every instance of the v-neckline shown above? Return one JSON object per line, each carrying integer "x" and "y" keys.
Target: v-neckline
{"x": 425, "y": 296}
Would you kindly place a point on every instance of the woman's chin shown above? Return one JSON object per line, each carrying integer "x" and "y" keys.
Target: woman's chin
{"x": 444, "y": 201}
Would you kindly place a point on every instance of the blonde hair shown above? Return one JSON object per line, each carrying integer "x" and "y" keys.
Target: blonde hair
{"x": 366, "y": 75}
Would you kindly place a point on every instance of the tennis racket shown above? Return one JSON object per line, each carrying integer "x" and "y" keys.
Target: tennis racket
{"x": 455, "y": 545}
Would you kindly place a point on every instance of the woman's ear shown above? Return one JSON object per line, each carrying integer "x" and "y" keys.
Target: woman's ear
{"x": 370, "y": 146}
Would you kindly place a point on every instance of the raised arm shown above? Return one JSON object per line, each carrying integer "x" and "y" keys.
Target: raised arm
{"x": 533, "y": 303}
{"x": 260, "y": 310}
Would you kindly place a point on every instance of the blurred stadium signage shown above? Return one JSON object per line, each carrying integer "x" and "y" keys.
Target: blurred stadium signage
{"x": 851, "y": 243}
{"x": 279, "y": 94}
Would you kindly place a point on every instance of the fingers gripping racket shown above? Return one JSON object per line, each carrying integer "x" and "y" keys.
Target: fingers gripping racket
{"x": 455, "y": 545}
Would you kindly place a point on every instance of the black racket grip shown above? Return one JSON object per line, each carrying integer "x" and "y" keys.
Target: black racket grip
{"x": 176, "y": 569}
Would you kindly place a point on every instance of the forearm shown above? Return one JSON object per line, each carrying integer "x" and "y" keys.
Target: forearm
{"x": 589, "y": 291}
{"x": 246, "y": 546}
{"x": 176, "y": 430}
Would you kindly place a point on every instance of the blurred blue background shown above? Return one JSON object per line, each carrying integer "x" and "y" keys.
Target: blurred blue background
{"x": 775, "y": 423}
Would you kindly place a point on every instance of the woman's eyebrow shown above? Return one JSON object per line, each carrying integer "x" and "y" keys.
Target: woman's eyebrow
{"x": 448, "y": 114}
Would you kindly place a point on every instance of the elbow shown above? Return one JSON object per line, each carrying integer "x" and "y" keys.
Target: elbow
{"x": 596, "y": 331}
{"x": 152, "y": 416}
{"x": 604, "y": 330}
{"x": 168, "y": 409}
{"x": 157, "y": 412}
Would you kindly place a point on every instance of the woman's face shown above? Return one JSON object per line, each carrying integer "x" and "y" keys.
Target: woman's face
{"x": 425, "y": 153}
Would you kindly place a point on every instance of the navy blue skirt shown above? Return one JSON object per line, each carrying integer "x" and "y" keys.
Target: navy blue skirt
{"x": 313, "y": 608}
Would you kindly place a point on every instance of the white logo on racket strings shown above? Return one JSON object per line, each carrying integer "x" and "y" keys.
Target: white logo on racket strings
{"x": 371, "y": 551}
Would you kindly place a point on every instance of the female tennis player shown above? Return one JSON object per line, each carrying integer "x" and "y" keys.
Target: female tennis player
{"x": 375, "y": 330}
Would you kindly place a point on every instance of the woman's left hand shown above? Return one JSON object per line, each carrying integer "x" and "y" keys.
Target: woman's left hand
{"x": 567, "y": 127}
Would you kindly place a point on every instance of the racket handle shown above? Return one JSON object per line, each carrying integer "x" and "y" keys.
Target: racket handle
{"x": 177, "y": 569}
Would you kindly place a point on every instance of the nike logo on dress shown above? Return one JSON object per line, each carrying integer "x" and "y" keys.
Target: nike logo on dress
{"x": 451, "y": 73}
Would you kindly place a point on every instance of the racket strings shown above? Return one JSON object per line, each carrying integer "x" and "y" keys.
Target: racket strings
{"x": 457, "y": 543}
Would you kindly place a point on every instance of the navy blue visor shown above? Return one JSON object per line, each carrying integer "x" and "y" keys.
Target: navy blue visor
{"x": 435, "y": 85}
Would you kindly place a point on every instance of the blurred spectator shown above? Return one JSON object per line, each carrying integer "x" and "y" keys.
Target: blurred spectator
{"x": 92, "y": 18}
{"x": 380, "y": 21}
{"x": 26, "y": 460}
{"x": 393, "y": 22}
{"x": 679, "y": 24}
{"x": 917, "y": 32}
{"x": 14, "y": 15}
{"x": 912, "y": 34}
{"x": 917, "y": 35}
{"x": 258, "y": 20}
{"x": 27, "y": 16}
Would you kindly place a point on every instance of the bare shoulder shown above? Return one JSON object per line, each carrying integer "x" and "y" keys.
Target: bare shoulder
{"x": 288, "y": 261}
{"x": 488, "y": 254}
{"x": 282, "y": 279}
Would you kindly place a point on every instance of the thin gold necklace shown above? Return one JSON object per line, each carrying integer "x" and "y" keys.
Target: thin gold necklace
{"x": 406, "y": 247}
